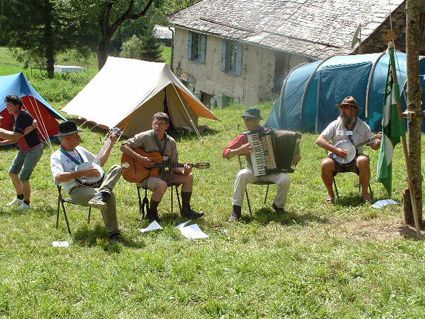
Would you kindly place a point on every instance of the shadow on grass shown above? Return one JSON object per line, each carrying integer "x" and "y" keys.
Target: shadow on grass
{"x": 89, "y": 237}
{"x": 265, "y": 215}
{"x": 409, "y": 232}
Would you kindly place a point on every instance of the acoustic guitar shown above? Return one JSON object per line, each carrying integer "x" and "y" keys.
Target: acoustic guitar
{"x": 136, "y": 172}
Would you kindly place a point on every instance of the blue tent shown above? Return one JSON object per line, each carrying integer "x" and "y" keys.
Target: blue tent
{"x": 311, "y": 91}
{"x": 34, "y": 103}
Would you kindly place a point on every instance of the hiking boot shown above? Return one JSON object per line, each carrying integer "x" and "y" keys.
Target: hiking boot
{"x": 234, "y": 217}
{"x": 278, "y": 210}
{"x": 190, "y": 213}
{"x": 114, "y": 238}
{"x": 15, "y": 202}
{"x": 152, "y": 215}
{"x": 99, "y": 200}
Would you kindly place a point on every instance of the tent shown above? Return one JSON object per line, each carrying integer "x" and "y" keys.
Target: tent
{"x": 127, "y": 92}
{"x": 39, "y": 108}
{"x": 311, "y": 91}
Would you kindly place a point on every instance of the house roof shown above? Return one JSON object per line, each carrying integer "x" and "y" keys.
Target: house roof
{"x": 316, "y": 29}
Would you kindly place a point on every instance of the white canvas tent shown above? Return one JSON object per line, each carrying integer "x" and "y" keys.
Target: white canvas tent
{"x": 127, "y": 92}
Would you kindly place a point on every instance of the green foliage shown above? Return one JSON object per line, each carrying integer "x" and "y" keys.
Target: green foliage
{"x": 316, "y": 261}
{"x": 132, "y": 48}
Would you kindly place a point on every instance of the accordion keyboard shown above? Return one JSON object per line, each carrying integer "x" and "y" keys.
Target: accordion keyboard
{"x": 257, "y": 155}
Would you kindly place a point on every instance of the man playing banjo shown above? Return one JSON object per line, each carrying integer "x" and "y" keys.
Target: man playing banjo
{"x": 64, "y": 163}
{"x": 342, "y": 138}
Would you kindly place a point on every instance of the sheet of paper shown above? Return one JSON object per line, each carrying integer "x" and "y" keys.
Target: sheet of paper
{"x": 64, "y": 243}
{"x": 152, "y": 226}
{"x": 193, "y": 232}
{"x": 383, "y": 203}
{"x": 182, "y": 225}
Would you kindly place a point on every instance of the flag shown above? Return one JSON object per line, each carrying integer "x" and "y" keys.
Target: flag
{"x": 392, "y": 130}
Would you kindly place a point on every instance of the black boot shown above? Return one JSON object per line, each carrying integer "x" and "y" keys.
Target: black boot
{"x": 188, "y": 212}
{"x": 236, "y": 214}
{"x": 152, "y": 214}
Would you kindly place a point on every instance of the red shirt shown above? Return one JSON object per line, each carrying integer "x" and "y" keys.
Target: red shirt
{"x": 237, "y": 142}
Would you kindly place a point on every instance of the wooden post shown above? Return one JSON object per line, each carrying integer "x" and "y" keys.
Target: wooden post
{"x": 414, "y": 100}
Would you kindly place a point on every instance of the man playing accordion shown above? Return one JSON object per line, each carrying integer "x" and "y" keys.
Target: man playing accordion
{"x": 241, "y": 146}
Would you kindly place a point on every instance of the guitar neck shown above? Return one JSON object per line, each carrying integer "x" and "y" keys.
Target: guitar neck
{"x": 170, "y": 165}
{"x": 365, "y": 142}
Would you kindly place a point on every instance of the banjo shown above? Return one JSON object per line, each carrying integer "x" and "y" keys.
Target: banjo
{"x": 351, "y": 149}
{"x": 96, "y": 181}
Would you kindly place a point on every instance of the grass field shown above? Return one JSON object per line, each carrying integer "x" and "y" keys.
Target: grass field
{"x": 317, "y": 261}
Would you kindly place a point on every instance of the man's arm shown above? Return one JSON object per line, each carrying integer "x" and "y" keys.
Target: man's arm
{"x": 324, "y": 143}
{"x": 9, "y": 135}
{"x": 239, "y": 146}
{"x": 146, "y": 161}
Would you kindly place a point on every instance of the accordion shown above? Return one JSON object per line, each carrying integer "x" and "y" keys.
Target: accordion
{"x": 273, "y": 151}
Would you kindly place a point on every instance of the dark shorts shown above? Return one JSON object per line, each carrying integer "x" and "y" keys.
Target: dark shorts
{"x": 25, "y": 162}
{"x": 350, "y": 167}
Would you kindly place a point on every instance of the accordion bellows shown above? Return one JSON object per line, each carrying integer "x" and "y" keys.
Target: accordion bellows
{"x": 273, "y": 151}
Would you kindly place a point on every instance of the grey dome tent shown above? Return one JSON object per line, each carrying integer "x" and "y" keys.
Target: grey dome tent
{"x": 311, "y": 91}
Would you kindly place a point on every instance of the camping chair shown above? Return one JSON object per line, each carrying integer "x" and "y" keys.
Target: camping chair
{"x": 144, "y": 204}
{"x": 61, "y": 203}
{"x": 255, "y": 183}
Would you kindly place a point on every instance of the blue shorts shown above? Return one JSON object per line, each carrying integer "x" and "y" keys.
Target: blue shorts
{"x": 24, "y": 163}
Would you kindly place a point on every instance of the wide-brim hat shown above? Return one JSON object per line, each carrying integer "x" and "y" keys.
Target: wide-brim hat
{"x": 252, "y": 113}
{"x": 348, "y": 101}
{"x": 67, "y": 128}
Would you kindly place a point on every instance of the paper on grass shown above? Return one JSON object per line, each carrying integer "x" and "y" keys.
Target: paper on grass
{"x": 384, "y": 202}
{"x": 57, "y": 243}
{"x": 152, "y": 226}
{"x": 193, "y": 232}
{"x": 182, "y": 225}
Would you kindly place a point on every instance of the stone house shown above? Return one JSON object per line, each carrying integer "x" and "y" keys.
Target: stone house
{"x": 239, "y": 51}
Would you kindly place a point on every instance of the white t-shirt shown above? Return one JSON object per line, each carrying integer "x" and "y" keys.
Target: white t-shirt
{"x": 60, "y": 163}
{"x": 336, "y": 132}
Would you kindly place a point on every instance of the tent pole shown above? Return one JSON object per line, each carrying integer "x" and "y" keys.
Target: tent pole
{"x": 187, "y": 113}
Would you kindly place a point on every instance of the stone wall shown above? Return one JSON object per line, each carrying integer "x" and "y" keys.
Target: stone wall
{"x": 376, "y": 42}
{"x": 254, "y": 85}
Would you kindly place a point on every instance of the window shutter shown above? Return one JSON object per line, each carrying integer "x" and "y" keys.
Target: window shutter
{"x": 238, "y": 59}
{"x": 223, "y": 55}
{"x": 189, "y": 46}
{"x": 203, "y": 50}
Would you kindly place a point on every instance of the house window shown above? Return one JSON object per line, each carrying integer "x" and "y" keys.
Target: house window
{"x": 206, "y": 99}
{"x": 197, "y": 47}
{"x": 231, "y": 57}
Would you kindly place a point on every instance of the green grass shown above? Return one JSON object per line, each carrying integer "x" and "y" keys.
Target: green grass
{"x": 317, "y": 261}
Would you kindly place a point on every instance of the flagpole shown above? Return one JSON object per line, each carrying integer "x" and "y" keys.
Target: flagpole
{"x": 404, "y": 143}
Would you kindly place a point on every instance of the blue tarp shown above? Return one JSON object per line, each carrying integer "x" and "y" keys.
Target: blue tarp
{"x": 311, "y": 91}
{"x": 17, "y": 84}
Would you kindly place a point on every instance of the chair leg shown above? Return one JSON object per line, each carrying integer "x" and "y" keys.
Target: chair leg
{"x": 248, "y": 201}
{"x": 267, "y": 193}
{"x": 336, "y": 188}
{"x": 58, "y": 211}
{"x": 178, "y": 198}
{"x": 139, "y": 198}
{"x": 172, "y": 204}
{"x": 371, "y": 192}
{"x": 66, "y": 218}
{"x": 88, "y": 219}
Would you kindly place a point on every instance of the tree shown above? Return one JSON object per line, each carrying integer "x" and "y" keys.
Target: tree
{"x": 151, "y": 48}
{"x": 42, "y": 28}
{"x": 132, "y": 48}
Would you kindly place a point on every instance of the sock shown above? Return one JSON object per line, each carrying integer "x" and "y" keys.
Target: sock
{"x": 20, "y": 196}
{"x": 153, "y": 206}
{"x": 27, "y": 202}
{"x": 186, "y": 199}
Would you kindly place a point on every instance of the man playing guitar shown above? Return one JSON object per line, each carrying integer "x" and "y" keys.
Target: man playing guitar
{"x": 348, "y": 126}
{"x": 64, "y": 163}
{"x": 157, "y": 140}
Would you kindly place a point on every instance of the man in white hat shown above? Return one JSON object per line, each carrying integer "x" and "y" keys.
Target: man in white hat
{"x": 64, "y": 163}
{"x": 347, "y": 127}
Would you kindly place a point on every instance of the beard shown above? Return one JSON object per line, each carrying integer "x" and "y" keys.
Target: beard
{"x": 348, "y": 120}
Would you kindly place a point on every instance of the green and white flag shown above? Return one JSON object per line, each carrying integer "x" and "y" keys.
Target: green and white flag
{"x": 392, "y": 130}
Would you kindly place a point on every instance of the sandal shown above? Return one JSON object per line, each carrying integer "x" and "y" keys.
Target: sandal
{"x": 330, "y": 200}
{"x": 367, "y": 199}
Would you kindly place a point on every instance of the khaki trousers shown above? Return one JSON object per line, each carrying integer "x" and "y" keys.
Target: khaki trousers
{"x": 82, "y": 194}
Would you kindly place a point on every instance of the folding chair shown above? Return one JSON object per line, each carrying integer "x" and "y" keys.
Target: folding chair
{"x": 255, "y": 183}
{"x": 61, "y": 203}
{"x": 144, "y": 204}
{"x": 336, "y": 187}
